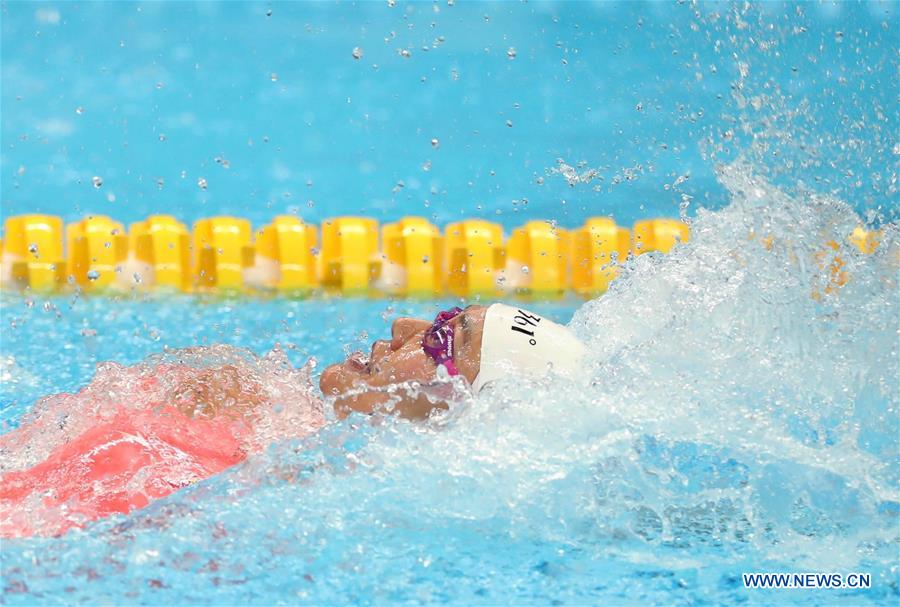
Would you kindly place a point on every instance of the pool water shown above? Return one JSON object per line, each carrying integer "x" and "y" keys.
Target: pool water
{"x": 740, "y": 413}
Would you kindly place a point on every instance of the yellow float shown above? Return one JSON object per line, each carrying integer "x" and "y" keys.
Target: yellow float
{"x": 346, "y": 255}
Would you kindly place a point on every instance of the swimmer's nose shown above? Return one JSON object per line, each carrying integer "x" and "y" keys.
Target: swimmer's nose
{"x": 405, "y": 329}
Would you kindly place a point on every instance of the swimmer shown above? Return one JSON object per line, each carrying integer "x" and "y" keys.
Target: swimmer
{"x": 480, "y": 344}
{"x": 136, "y": 434}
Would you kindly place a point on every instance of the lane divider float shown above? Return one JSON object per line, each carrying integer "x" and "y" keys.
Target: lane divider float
{"x": 345, "y": 255}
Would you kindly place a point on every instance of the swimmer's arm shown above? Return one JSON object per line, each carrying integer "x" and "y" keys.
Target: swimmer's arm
{"x": 224, "y": 389}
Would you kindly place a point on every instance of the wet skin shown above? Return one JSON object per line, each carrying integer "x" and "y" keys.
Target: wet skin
{"x": 207, "y": 392}
{"x": 401, "y": 360}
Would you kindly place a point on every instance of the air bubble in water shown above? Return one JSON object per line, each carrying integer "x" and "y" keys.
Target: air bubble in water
{"x": 435, "y": 143}
{"x": 509, "y": 123}
{"x": 683, "y": 206}
{"x": 33, "y": 249}
{"x": 202, "y": 183}
{"x": 525, "y": 270}
{"x": 425, "y": 259}
{"x": 93, "y": 275}
{"x": 357, "y": 52}
{"x": 511, "y": 52}
{"x": 97, "y": 181}
{"x": 79, "y": 110}
{"x": 273, "y": 77}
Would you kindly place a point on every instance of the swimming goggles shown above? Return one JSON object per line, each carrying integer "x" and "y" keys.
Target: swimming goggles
{"x": 438, "y": 340}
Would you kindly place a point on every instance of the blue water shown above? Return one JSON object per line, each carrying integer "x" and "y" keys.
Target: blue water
{"x": 153, "y": 97}
{"x": 741, "y": 413}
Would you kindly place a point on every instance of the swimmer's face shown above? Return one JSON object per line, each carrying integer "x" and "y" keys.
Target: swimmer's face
{"x": 401, "y": 360}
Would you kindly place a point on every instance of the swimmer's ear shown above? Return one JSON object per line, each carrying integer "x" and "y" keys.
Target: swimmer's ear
{"x": 435, "y": 397}
{"x": 416, "y": 401}
{"x": 367, "y": 403}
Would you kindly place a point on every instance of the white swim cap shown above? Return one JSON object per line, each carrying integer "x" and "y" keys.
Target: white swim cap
{"x": 516, "y": 341}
